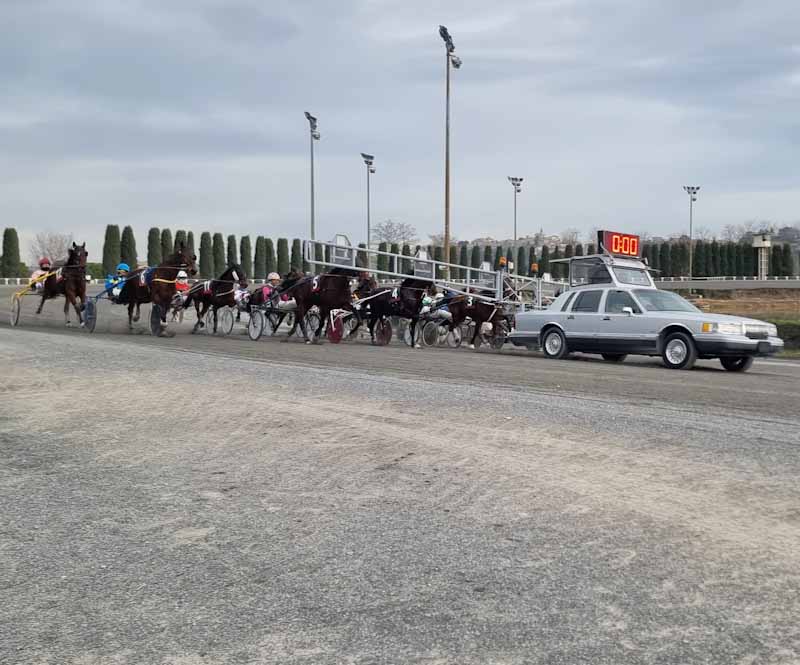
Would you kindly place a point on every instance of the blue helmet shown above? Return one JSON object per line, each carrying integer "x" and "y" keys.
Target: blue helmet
{"x": 124, "y": 266}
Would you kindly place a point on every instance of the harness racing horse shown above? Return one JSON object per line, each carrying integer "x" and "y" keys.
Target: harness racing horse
{"x": 157, "y": 286}
{"x": 69, "y": 281}
{"x": 403, "y": 301}
{"x": 328, "y": 291}
{"x": 480, "y": 311}
{"x": 215, "y": 293}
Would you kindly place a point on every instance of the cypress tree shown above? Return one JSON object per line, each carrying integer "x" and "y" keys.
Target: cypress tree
{"x": 556, "y": 268}
{"x": 569, "y": 252}
{"x": 646, "y": 254}
{"x": 748, "y": 260}
{"x": 678, "y": 259}
{"x": 544, "y": 261}
{"x": 475, "y": 257}
{"x": 10, "y": 265}
{"x": 270, "y": 262}
{"x": 724, "y": 269}
{"x": 297, "y": 255}
{"x": 246, "y": 256}
{"x": 438, "y": 256}
{"x": 579, "y": 249}
{"x": 487, "y": 255}
{"x": 190, "y": 244}
{"x": 406, "y": 268}
{"x": 167, "y": 246}
{"x": 730, "y": 249}
{"x": 709, "y": 267}
{"x": 394, "y": 249}
{"x": 740, "y": 270}
{"x": 655, "y": 256}
{"x": 498, "y": 252}
{"x": 788, "y": 260}
{"x": 218, "y": 249}
{"x": 531, "y": 261}
{"x": 383, "y": 261}
{"x": 699, "y": 259}
{"x": 180, "y": 238}
{"x": 590, "y": 249}
{"x": 232, "y": 254}
{"x": 283, "y": 256}
{"x": 111, "y": 249}
{"x": 361, "y": 257}
{"x": 715, "y": 259}
{"x": 128, "y": 248}
{"x": 776, "y": 261}
{"x": 321, "y": 254}
{"x": 521, "y": 267}
{"x": 455, "y": 273}
{"x": 206, "y": 256}
{"x": 153, "y": 247}
{"x": 260, "y": 259}
{"x": 665, "y": 259}
{"x": 463, "y": 258}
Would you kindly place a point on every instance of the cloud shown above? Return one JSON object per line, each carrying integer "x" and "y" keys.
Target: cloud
{"x": 190, "y": 113}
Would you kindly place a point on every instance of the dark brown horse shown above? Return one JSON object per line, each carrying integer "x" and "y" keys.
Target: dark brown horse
{"x": 403, "y": 300}
{"x": 215, "y": 293}
{"x": 328, "y": 291}
{"x": 157, "y": 286}
{"x": 480, "y": 311}
{"x": 69, "y": 281}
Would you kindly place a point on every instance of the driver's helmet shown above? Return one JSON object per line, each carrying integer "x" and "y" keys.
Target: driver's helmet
{"x": 182, "y": 275}
{"x": 44, "y": 263}
{"x": 123, "y": 268}
{"x": 427, "y": 300}
{"x": 273, "y": 276}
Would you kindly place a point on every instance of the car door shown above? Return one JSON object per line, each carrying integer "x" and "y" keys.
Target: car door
{"x": 583, "y": 320}
{"x": 621, "y": 332}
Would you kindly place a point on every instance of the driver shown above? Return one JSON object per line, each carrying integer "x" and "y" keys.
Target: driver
{"x": 114, "y": 283}
{"x": 38, "y": 276}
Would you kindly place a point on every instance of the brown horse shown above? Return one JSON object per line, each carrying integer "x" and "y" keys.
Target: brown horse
{"x": 215, "y": 293}
{"x": 69, "y": 281}
{"x": 156, "y": 285}
{"x": 328, "y": 291}
{"x": 480, "y": 311}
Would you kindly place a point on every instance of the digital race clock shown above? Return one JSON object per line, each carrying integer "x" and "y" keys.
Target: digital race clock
{"x": 619, "y": 244}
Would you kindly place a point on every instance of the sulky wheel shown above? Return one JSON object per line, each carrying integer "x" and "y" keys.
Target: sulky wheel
{"x": 335, "y": 330}
{"x": 225, "y": 320}
{"x": 454, "y": 337}
{"x": 15, "y": 308}
{"x": 90, "y": 315}
{"x": 311, "y": 322}
{"x": 255, "y": 326}
{"x": 430, "y": 334}
{"x": 383, "y": 331}
{"x": 155, "y": 319}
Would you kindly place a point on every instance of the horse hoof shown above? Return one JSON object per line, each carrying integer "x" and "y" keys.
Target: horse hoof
{"x": 308, "y": 341}
{"x": 136, "y": 318}
{"x": 472, "y": 346}
{"x": 83, "y": 324}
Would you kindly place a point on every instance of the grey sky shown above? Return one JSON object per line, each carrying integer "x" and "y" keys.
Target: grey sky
{"x": 189, "y": 114}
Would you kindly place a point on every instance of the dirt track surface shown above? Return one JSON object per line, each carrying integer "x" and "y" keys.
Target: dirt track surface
{"x": 214, "y": 500}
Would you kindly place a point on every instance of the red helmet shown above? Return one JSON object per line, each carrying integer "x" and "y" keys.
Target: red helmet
{"x": 44, "y": 261}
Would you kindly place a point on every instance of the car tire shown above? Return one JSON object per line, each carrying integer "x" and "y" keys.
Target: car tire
{"x": 615, "y": 357}
{"x": 679, "y": 351}
{"x": 554, "y": 344}
{"x": 739, "y": 364}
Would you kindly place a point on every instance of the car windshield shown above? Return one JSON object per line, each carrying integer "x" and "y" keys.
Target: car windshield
{"x": 663, "y": 301}
{"x": 635, "y": 276}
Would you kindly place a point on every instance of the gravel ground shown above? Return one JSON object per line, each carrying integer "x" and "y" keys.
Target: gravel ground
{"x": 212, "y": 500}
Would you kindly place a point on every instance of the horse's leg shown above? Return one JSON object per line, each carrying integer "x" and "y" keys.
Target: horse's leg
{"x": 281, "y": 317}
{"x": 371, "y": 326}
{"x": 200, "y": 315}
{"x": 131, "y": 306}
{"x": 78, "y": 310}
{"x": 324, "y": 314}
{"x": 476, "y": 332}
{"x": 414, "y": 343}
{"x": 299, "y": 320}
{"x": 138, "y": 305}
{"x": 41, "y": 304}
{"x": 216, "y": 308}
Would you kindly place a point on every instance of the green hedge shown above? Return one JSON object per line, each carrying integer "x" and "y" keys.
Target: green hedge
{"x": 789, "y": 332}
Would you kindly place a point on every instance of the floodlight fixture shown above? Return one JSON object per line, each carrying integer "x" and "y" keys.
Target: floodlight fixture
{"x": 448, "y": 40}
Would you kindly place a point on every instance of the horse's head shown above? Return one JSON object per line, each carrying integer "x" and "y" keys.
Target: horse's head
{"x": 183, "y": 259}
{"x": 77, "y": 255}
{"x": 235, "y": 274}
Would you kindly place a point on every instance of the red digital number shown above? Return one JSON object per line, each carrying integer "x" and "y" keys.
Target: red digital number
{"x": 622, "y": 244}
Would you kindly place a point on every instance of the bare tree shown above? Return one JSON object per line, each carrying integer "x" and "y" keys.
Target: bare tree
{"x": 437, "y": 239}
{"x": 50, "y": 244}
{"x": 702, "y": 233}
{"x": 732, "y": 232}
{"x": 390, "y": 231}
{"x": 570, "y": 236}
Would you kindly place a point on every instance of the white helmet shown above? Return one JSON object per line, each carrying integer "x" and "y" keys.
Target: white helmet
{"x": 182, "y": 274}
{"x": 273, "y": 275}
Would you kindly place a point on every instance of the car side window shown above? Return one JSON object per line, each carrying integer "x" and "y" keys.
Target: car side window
{"x": 616, "y": 300}
{"x": 587, "y": 301}
{"x": 569, "y": 299}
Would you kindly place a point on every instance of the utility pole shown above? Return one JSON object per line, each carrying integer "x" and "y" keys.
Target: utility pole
{"x": 313, "y": 136}
{"x": 692, "y": 192}
{"x": 455, "y": 61}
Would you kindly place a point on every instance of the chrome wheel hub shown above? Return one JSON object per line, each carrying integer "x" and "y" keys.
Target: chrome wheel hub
{"x": 553, "y": 344}
{"x": 676, "y": 351}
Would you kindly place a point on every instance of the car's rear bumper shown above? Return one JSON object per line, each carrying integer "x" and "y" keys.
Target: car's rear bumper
{"x": 724, "y": 345}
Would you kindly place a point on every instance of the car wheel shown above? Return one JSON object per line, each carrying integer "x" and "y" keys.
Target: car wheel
{"x": 615, "y": 357}
{"x": 554, "y": 344}
{"x": 679, "y": 351}
{"x": 741, "y": 364}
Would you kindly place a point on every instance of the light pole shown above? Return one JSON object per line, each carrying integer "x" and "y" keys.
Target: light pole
{"x": 313, "y": 136}
{"x": 692, "y": 192}
{"x": 517, "y": 184}
{"x": 455, "y": 61}
{"x": 368, "y": 160}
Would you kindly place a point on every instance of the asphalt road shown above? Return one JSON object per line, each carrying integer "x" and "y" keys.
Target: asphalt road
{"x": 213, "y": 500}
